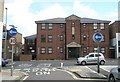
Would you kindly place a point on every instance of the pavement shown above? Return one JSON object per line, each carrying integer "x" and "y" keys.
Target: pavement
{"x": 79, "y": 71}
{"x": 6, "y": 75}
{"x": 84, "y": 72}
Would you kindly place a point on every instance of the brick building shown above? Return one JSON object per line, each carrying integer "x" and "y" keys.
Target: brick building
{"x": 30, "y": 45}
{"x": 70, "y": 37}
{"x": 115, "y": 39}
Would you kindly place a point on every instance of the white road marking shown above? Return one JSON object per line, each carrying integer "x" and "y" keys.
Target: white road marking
{"x": 108, "y": 68}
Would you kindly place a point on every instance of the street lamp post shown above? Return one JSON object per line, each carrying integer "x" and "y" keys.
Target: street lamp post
{"x": 5, "y": 50}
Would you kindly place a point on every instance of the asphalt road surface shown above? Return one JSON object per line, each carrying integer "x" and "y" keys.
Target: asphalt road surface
{"x": 46, "y": 70}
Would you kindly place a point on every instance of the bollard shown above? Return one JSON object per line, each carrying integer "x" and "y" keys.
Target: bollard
{"x": 61, "y": 64}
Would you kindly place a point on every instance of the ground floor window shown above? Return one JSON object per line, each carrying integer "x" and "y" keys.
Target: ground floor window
{"x": 119, "y": 49}
{"x": 95, "y": 49}
{"x": 50, "y": 50}
{"x": 102, "y": 50}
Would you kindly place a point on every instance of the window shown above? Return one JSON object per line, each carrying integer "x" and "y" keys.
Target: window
{"x": 84, "y": 37}
{"x": 73, "y": 24}
{"x": 118, "y": 43}
{"x": 4, "y": 35}
{"x": 103, "y": 38}
{"x": 43, "y": 38}
{"x": 73, "y": 37}
{"x": 101, "y": 26}
{"x": 84, "y": 49}
{"x": 102, "y": 50}
{"x": 73, "y": 30}
{"x": 50, "y": 26}
{"x": 92, "y": 55}
{"x": 95, "y": 49}
{"x": 43, "y": 26}
{"x": 50, "y": 50}
{"x": 84, "y": 25}
{"x": 119, "y": 49}
{"x": 61, "y": 38}
{"x": 94, "y": 26}
{"x": 61, "y": 25}
{"x": 42, "y": 50}
{"x": 50, "y": 38}
{"x": 61, "y": 49}
{"x": 96, "y": 55}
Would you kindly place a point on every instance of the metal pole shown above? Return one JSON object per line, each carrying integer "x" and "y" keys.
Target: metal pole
{"x": 98, "y": 70}
{"x": 12, "y": 61}
{"x": 5, "y": 36}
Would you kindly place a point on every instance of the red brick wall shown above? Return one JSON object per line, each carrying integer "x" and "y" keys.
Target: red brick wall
{"x": 56, "y": 44}
{"x": 25, "y": 57}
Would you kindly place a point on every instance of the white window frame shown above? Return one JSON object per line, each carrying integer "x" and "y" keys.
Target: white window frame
{"x": 102, "y": 50}
{"x": 43, "y": 26}
{"x": 43, "y": 50}
{"x": 95, "y": 26}
{"x": 102, "y": 26}
{"x": 50, "y": 50}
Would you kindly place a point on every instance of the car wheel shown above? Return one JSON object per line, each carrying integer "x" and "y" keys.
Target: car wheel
{"x": 111, "y": 78}
{"x": 83, "y": 62}
{"x": 102, "y": 62}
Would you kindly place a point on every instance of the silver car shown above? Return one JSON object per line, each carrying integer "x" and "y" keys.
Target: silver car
{"x": 91, "y": 58}
{"x": 114, "y": 75}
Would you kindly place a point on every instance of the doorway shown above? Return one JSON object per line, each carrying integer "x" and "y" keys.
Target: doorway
{"x": 73, "y": 52}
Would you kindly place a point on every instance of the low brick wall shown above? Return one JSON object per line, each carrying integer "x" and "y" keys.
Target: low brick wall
{"x": 25, "y": 57}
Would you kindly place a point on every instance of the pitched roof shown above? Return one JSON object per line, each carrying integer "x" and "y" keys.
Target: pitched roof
{"x": 63, "y": 20}
{"x": 30, "y": 37}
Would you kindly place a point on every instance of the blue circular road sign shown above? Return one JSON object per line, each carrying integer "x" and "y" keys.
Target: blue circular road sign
{"x": 12, "y": 32}
{"x": 98, "y": 37}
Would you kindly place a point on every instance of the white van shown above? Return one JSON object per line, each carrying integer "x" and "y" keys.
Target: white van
{"x": 91, "y": 58}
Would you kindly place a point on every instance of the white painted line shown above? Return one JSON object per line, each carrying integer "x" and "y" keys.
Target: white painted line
{"x": 108, "y": 68}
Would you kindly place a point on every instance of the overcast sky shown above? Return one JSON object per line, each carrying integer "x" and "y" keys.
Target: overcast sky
{"x": 24, "y": 13}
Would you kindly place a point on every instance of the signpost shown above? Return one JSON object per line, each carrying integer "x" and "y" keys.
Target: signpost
{"x": 98, "y": 37}
{"x": 12, "y": 32}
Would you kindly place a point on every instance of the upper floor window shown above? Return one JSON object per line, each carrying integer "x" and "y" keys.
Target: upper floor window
{"x": 95, "y": 26}
{"x": 61, "y": 25}
{"x": 43, "y": 26}
{"x": 84, "y": 25}
{"x": 73, "y": 24}
{"x": 50, "y": 26}
{"x": 50, "y": 38}
{"x": 61, "y": 38}
{"x": 101, "y": 26}
{"x": 43, "y": 38}
{"x": 42, "y": 50}
{"x": 61, "y": 49}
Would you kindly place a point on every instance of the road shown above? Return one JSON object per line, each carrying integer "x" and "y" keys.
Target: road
{"x": 46, "y": 70}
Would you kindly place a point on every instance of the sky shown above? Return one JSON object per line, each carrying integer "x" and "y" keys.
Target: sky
{"x": 24, "y": 13}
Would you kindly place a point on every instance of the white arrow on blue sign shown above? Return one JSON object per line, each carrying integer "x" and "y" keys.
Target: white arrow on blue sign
{"x": 12, "y": 32}
{"x": 98, "y": 37}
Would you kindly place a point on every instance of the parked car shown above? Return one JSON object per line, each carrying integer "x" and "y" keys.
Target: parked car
{"x": 3, "y": 62}
{"x": 6, "y": 60}
{"x": 91, "y": 58}
{"x": 114, "y": 75}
